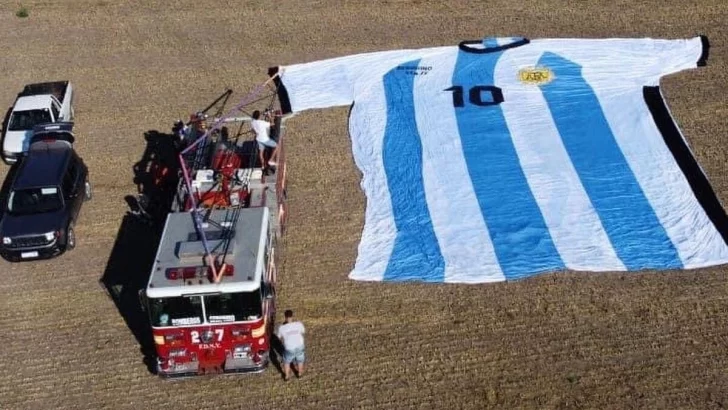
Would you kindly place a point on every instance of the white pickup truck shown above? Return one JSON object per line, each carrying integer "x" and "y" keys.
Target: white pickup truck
{"x": 37, "y": 104}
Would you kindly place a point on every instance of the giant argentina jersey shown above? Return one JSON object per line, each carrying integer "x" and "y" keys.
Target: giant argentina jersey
{"x": 503, "y": 158}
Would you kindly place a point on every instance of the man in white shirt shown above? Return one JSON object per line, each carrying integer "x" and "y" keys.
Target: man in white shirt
{"x": 291, "y": 334}
{"x": 262, "y": 136}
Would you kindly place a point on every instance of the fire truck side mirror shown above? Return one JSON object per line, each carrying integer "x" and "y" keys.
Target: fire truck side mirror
{"x": 143, "y": 299}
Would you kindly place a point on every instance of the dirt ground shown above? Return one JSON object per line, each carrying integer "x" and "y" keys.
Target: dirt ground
{"x": 567, "y": 340}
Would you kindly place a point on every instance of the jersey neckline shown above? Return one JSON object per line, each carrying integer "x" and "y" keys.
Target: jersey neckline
{"x": 486, "y": 47}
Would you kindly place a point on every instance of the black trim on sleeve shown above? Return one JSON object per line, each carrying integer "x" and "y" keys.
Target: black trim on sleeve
{"x": 703, "y": 60}
{"x": 464, "y": 46}
{"x": 282, "y": 92}
{"x": 688, "y": 165}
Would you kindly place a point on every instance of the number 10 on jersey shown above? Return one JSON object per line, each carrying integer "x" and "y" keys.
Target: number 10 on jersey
{"x": 480, "y": 95}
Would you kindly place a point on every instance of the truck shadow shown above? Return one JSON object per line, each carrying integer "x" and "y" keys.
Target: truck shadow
{"x": 127, "y": 270}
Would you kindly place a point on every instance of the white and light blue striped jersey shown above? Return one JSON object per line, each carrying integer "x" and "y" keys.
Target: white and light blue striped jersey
{"x": 503, "y": 158}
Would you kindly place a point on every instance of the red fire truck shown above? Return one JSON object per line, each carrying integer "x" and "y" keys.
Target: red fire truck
{"x": 211, "y": 292}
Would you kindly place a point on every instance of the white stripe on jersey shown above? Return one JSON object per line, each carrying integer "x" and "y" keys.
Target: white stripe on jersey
{"x": 574, "y": 225}
{"x": 379, "y": 233}
{"x": 456, "y": 217}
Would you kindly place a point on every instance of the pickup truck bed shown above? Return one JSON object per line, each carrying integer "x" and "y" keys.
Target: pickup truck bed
{"x": 55, "y": 88}
{"x": 36, "y": 104}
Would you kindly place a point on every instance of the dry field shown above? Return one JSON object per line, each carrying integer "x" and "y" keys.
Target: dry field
{"x": 567, "y": 340}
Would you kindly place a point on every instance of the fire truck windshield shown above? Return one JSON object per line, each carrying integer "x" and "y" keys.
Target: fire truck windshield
{"x": 176, "y": 311}
{"x": 218, "y": 308}
{"x": 34, "y": 201}
{"x": 233, "y": 307}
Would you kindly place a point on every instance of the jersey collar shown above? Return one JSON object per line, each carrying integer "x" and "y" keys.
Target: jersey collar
{"x": 492, "y": 44}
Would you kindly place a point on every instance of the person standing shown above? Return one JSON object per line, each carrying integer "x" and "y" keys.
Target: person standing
{"x": 262, "y": 136}
{"x": 291, "y": 334}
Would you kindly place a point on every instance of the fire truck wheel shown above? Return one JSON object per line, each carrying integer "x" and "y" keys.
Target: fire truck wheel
{"x": 70, "y": 238}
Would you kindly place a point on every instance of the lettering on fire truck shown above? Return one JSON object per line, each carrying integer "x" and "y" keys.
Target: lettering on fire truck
{"x": 196, "y": 335}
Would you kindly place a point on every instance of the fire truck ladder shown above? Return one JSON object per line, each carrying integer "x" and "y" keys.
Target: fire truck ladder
{"x": 202, "y": 150}
{"x": 196, "y": 217}
{"x": 230, "y": 221}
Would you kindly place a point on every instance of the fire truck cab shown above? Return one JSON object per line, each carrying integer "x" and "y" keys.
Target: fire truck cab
{"x": 204, "y": 327}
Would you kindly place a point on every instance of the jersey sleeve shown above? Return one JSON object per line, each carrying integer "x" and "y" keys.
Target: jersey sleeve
{"x": 623, "y": 61}
{"x": 657, "y": 58}
{"x": 333, "y": 82}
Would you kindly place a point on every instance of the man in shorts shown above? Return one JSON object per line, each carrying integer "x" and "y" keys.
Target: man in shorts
{"x": 262, "y": 136}
{"x": 291, "y": 335}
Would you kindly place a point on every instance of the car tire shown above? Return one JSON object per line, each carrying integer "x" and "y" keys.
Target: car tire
{"x": 87, "y": 191}
{"x": 70, "y": 238}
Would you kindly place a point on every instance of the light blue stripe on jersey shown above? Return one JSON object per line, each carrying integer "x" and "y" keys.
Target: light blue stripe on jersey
{"x": 637, "y": 236}
{"x": 490, "y": 42}
{"x": 521, "y": 239}
{"x": 416, "y": 254}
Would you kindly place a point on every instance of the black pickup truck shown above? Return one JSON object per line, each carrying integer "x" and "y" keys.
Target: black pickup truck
{"x": 41, "y": 202}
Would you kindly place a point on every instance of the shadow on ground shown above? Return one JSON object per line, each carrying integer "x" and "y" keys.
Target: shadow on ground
{"x": 127, "y": 270}
{"x": 276, "y": 353}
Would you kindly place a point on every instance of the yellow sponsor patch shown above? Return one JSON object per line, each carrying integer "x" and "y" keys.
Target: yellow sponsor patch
{"x": 535, "y": 75}
{"x": 159, "y": 339}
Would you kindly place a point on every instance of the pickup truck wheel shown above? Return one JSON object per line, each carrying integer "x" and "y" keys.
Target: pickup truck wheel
{"x": 70, "y": 238}
{"x": 87, "y": 193}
